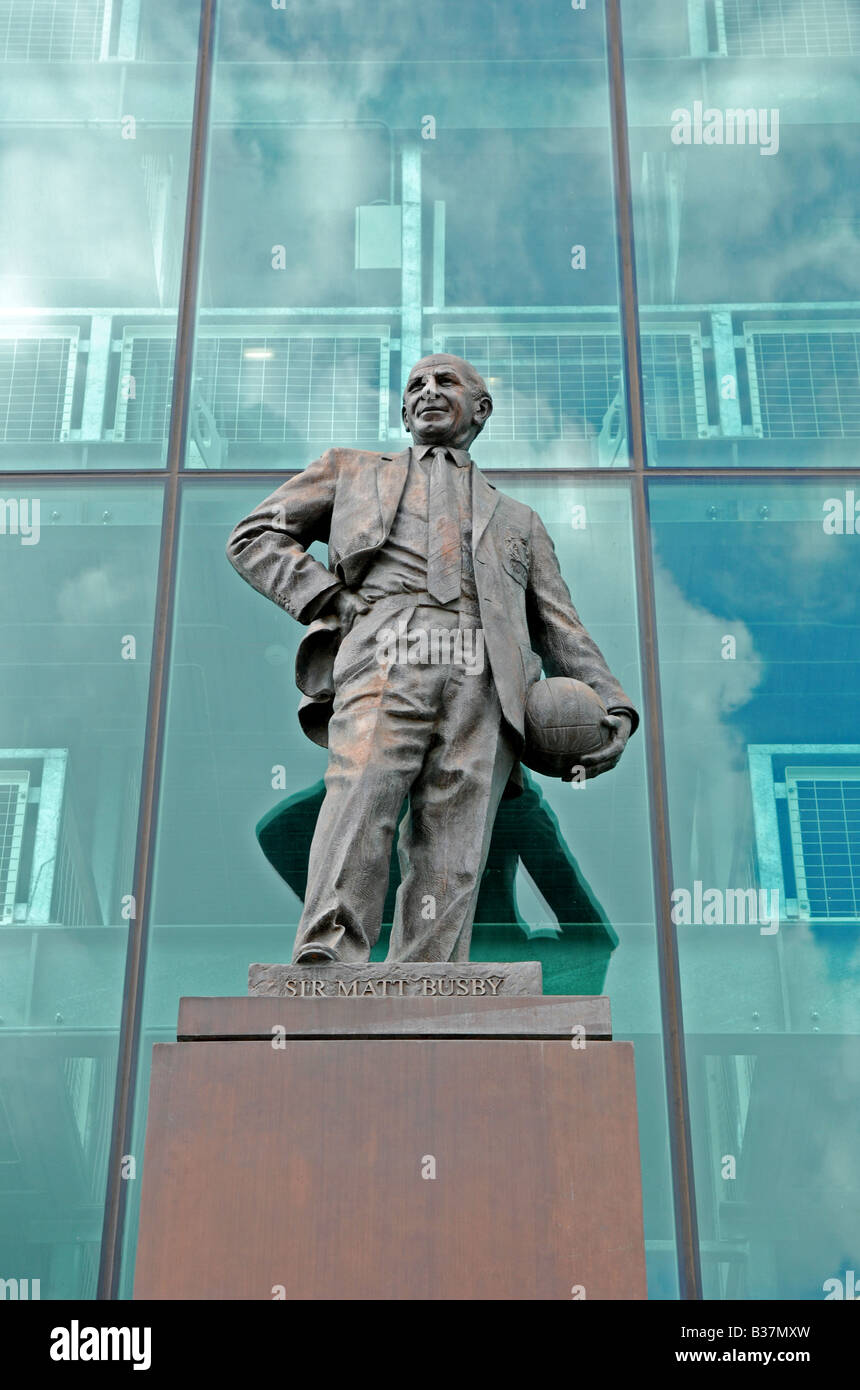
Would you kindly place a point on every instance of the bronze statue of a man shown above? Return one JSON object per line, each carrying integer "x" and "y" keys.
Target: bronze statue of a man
{"x": 420, "y": 545}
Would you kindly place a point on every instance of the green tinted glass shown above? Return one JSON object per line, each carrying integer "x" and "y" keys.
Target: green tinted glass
{"x": 744, "y": 132}
{"x": 95, "y": 111}
{"x": 371, "y": 199}
{"x": 759, "y": 634}
{"x": 76, "y": 647}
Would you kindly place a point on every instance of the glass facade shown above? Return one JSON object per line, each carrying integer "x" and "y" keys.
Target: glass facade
{"x": 743, "y": 124}
{"x": 95, "y": 123}
{"x": 224, "y": 241}
{"x": 76, "y": 666}
{"x": 758, "y": 635}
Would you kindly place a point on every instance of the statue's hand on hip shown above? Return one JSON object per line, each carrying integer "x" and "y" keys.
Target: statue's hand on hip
{"x": 347, "y": 607}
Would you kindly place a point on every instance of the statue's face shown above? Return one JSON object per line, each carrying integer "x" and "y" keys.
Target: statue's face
{"x": 439, "y": 406}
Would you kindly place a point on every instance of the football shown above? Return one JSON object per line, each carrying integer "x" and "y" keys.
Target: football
{"x": 562, "y": 723}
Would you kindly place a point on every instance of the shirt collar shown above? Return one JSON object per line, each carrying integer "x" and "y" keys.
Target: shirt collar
{"x": 461, "y": 457}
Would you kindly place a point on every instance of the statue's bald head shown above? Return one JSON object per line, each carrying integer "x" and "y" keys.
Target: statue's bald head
{"x": 446, "y": 401}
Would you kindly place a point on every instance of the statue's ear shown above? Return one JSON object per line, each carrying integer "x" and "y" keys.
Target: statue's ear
{"x": 483, "y": 410}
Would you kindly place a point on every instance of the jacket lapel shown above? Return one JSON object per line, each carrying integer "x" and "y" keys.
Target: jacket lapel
{"x": 390, "y": 481}
{"x": 370, "y": 526}
{"x": 485, "y": 499}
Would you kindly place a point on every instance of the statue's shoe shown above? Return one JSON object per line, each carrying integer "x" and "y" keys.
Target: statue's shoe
{"x": 316, "y": 955}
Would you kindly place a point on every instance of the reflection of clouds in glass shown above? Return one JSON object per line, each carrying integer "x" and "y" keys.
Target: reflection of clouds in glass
{"x": 837, "y": 1177}
{"x": 796, "y": 589}
{"x": 79, "y": 231}
{"x": 705, "y": 755}
{"x": 168, "y": 33}
{"x": 828, "y": 955}
{"x": 516, "y": 198}
{"x": 97, "y": 594}
{"x": 784, "y": 570}
{"x": 787, "y": 227}
{"x": 399, "y": 29}
{"x": 297, "y": 188}
{"x": 797, "y": 1166}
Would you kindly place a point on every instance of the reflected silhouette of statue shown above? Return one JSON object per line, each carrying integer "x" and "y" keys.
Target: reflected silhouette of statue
{"x": 574, "y": 951}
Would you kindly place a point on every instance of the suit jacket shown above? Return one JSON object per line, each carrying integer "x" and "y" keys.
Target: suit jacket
{"x": 348, "y": 498}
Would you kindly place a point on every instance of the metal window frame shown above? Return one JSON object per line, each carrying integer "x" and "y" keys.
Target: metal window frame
{"x": 55, "y": 761}
{"x": 766, "y": 328}
{"x": 50, "y": 333}
{"x": 828, "y": 52}
{"x": 685, "y": 328}
{"x": 19, "y": 778}
{"x": 669, "y": 970}
{"x": 765, "y": 794}
{"x": 131, "y": 1022}
{"x": 816, "y": 774}
{"x": 133, "y": 333}
{"x": 100, "y": 36}
{"x": 155, "y": 333}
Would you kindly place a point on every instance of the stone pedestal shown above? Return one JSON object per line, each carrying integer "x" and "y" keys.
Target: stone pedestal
{"x": 394, "y": 1146}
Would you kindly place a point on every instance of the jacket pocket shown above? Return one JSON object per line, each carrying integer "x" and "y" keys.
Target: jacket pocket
{"x": 516, "y": 556}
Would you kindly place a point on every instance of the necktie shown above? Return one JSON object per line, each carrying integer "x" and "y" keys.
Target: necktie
{"x": 443, "y": 536}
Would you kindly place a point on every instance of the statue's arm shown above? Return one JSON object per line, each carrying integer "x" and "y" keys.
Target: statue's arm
{"x": 557, "y": 633}
{"x": 269, "y": 547}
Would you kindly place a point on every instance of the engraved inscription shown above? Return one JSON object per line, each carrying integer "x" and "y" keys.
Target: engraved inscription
{"x": 424, "y": 986}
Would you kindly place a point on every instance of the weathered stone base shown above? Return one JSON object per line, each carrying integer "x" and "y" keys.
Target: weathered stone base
{"x": 392, "y": 981}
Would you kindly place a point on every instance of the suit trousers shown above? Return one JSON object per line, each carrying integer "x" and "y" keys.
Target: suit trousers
{"x": 407, "y": 722}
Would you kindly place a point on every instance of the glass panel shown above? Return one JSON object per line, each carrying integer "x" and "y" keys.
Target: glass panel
{"x": 744, "y": 133}
{"x": 759, "y": 634}
{"x": 370, "y": 200}
{"x": 95, "y": 108}
{"x": 568, "y": 881}
{"x": 75, "y": 658}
